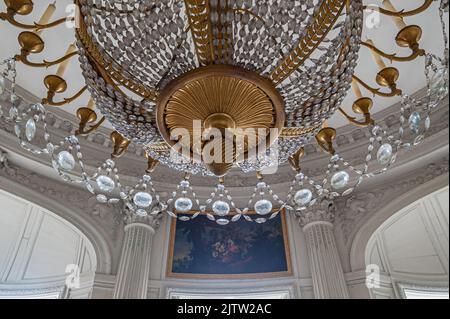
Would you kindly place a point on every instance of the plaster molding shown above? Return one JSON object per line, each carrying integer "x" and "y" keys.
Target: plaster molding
{"x": 59, "y": 290}
{"x": 68, "y": 202}
{"x": 396, "y": 196}
{"x": 354, "y": 210}
{"x": 319, "y": 222}
{"x": 140, "y": 224}
{"x": 324, "y": 212}
{"x": 152, "y": 222}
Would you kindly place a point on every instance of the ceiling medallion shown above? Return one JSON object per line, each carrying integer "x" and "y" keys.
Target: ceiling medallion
{"x": 220, "y": 97}
{"x": 170, "y": 77}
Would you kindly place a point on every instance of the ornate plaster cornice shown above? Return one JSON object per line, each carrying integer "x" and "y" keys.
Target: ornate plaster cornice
{"x": 355, "y": 210}
{"x": 102, "y": 224}
{"x": 152, "y": 221}
{"x": 323, "y": 212}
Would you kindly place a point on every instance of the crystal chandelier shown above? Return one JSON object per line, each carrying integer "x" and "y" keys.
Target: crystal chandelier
{"x": 206, "y": 86}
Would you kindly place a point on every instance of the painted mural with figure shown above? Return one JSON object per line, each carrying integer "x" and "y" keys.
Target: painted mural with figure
{"x": 204, "y": 249}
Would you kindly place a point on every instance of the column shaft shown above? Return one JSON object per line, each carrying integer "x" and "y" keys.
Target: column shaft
{"x": 326, "y": 268}
{"x": 134, "y": 266}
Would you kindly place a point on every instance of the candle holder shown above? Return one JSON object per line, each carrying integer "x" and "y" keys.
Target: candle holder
{"x": 403, "y": 13}
{"x": 294, "y": 160}
{"x": 408, "y": 37}
{"x": 20, "y": 7}
{"x": 30, "y": 43}
{"x": 387, "y": 77}
{"x": 56, "y": 84}
{"x": 87, "y": 116}
{"x": 25, "y": 7}
{"x": 325, "y": 139}
{"x": 151, "y": 164}
{"x": 361, "y": 106}
{"x": 121, "y": 144}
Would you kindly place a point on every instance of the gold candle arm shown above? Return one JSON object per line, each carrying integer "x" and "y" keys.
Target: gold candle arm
{"x": 53, "y": 24}
{"x": 398, "y": 20}
{"x": 361, "y": 106}
{"x": 403, "y": 13}
{"x": 50, "y": 95}
{"x": 367, "y": 119}
{"x": 394, "y": 91}
{"x": 393, "y": 57}
{"x": 91, "y": 128}
{"x": 23, "y": 57}
{"x": 56, "y": 84}
{"x": 35, "y": 26}
{"x": 6, "y": 16}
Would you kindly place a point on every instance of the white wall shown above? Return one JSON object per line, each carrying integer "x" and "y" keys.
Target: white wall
{"x": 412, "y": 247}
{"x": 35, "y": 248}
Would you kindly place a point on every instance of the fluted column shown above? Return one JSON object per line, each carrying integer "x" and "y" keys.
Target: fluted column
{"x": 134, "y": 266}
{"x": 324, "y": 260}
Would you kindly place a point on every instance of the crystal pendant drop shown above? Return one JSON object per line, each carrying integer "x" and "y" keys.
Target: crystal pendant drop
{"x": 414, "y": 122}
{"x": 303, "y": 197}
{"x": 263, "y": 207}
{"x": 2, "y": 84}
{"x": 30, "y": 129}
{"x": 427, "y": 123}
{"x": 221, "y": 208}
{"x": 102, "y": 198}
{"x": 13, "y": 112}
{"x": 142, "y": 199}
{"x": 439, "y": 82}
{"x": 141, "y": 213}
{"x": 384, "y": 155}
{"x": 65, "y": 161}
{"x": 105, "y": 183}
{"x": 183, "y": 204}
{"x": 340, "y": 180}
{"x": 223, "y": 222}
{"x": 17, "y": 130}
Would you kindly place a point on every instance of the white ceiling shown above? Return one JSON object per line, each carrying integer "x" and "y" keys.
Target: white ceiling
{"x": 58, "y": 39}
